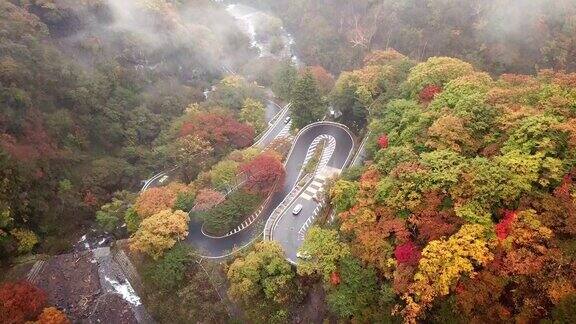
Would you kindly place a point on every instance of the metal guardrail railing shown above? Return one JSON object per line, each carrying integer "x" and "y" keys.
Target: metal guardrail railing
{"x": 247, "y": 221}
{"x": 271, "y": 124}
{"x": 360, "y": 148}
{"x": 156, "y": 176}
{"x": 274, "y": 217}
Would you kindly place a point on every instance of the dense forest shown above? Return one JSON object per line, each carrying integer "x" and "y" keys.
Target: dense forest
{"x": 497, "y": 36}
{"x": 466, "y": 213}
{"x": 86, "y": 91}
{"x": 463, "y": 210}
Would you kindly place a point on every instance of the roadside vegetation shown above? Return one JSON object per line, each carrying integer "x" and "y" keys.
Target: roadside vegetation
{"x": 88, "y": 103}
{"x": 177, "y": 288}
{"x": 227, "y": 215}
{"x": 463, "y": 212}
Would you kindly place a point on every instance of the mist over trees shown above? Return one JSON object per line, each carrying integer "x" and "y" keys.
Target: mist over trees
{"x": 463, "y": 210}
{"x": 86, "y": 91}
{"x": 496, "y": 35}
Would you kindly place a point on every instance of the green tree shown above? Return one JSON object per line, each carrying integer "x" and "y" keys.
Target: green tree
{"x": 325, "y": 250}
{"x": 223, "y": 174}
{"x": 564, "y": 312}
{"x": 284, "y": 80}
{"x": 110, "y": 214}
{"x": 343, "y": 195}
{"x": 192, "y": 153}
{"x": 169, "y": 271}
{"x": 132, "y": 220}
{"x": 262, "y": 282}
{"x": 253, "y": 113}
{"x": 404, "y": 123}
{"x": 232, "y": 92}
{"x": 347, "y": 97}
{"x": 185, "y": 200}
{"x": 357, "y": 296}
{"x": 307, "y": 104}
{"x": 231, "y": 212}
{"x": 435, "y": 71}
{"x": 386, "y": 160}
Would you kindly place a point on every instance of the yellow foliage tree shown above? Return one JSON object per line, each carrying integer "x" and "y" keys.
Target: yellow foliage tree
{"x": 436, "y": 71}
{"x": 325, "y": 249}
{"x": 443, "y": 262}
{"x": 160, "y": 232}
{"x": 26, "y": 239}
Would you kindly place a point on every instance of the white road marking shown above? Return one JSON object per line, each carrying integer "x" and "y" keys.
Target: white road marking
{"x": 309, "y": 222}
{"x": 317, "y": 183}
{"x": 285, "y": 132}
{"x": 306, "y": 196}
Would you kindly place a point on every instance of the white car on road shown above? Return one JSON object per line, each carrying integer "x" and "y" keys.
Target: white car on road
{"x": 297, "y": 209}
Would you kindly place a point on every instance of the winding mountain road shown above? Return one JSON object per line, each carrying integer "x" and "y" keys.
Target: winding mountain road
{"x": 276, "y": 219}
{"x": 286, "y": 226}
{"x": 289, "y": 230}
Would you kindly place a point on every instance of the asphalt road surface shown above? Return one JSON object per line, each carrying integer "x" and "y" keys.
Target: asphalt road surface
{"x": 279, "y": 126}
{"x": 291, "y": 229}
{"x": 274, "y": 130}
{"x": 219, "y": 247}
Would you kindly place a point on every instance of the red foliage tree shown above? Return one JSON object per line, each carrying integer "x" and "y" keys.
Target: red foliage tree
{"x": 383, "y": 141}
{"x": 403, "y": 275}
{"x": 264, "y": 173}
{"x": 335, "y": 278}
{"x": 432, "y": 221}
{"x": 427, "y": 94}
{"x": 90, "y": 199}
{"x": 33, "y": 144}
{"x": 20, "y": 301}
{"x": 222, "y": 131}
{"x": 324, "y": 80}
{"x": 206, "y": 199}
{"x": 563, "y": 190}
{"x": 479, "y": 298}
{"x": 503, "y": 227}
{"x": 407, "y": 253}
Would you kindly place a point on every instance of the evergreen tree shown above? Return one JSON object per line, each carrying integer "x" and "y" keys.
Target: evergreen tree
{"x": 284, "y": 80}
{"x": 307, "y": 103}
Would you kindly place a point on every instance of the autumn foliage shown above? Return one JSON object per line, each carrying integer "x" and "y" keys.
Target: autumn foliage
{"x": 407, "y": 253}
{"x": 154, "y": 200}
{"x": 207, "y": 199}
{"x": 160, "y": 232}
{"x": 335, "y": 278}
{"x": 20, "y": 302}
{"x": 503, "y": 227}
{"x": 52, "y": 315}
{"x": 424, "y": 212}
{"x": 383, "y": 141}
{"x": 264, "y": 173}
{"x": 324, "y": 80}
{"x": 221, "y": 130}
{"x": 35, "y": 142}
{"x": 427, "y": 94}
